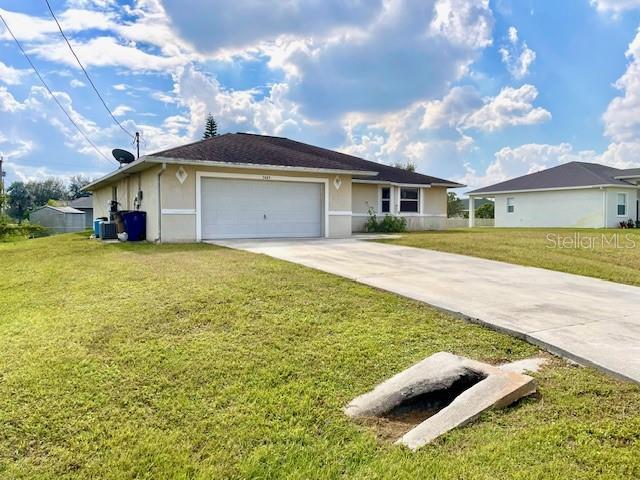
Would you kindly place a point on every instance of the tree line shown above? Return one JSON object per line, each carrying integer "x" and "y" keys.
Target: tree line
{"x": 23, "y": 197}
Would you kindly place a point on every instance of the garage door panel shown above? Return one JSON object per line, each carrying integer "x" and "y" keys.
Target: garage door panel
{"x": 234, "y": 208}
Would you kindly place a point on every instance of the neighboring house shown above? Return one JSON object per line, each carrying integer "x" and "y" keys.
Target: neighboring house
{"x": 252, "y": 186}
{"x": 477, "y": 204}
{"x": 59, "y": 219}
{"x": 84, "y": 204}
{"x": 575, "y": 194}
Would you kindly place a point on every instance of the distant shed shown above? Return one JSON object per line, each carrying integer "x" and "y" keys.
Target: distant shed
{"x": 59, "y": 219}
{"x": 86, "y": 205}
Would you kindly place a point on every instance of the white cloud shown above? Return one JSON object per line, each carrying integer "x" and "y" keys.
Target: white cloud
{"x": 622, "y": 117}
{"x": 511, "y": 107}
{"x": 463, "y": 108}
{"x": 375, "y": 71}
{"x": 346, "y": 57}
{"x": 615, "y": 6}
{"x": 121, "y": 110}
{"x": 76, "y": 83}
{"x": 16, "y": 148}
{"x": 453, "y": 109}
{"x": 107, "y": 52}
{"x": 120, "y": 87}
{"x": 517, "y": 56}
{"x": 8, "y": 103}
{"x": 10, "y": 75}
{"x": 462, "y": 22}
{"x": 239, "y": 25}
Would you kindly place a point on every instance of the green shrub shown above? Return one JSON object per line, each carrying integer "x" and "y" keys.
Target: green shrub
{"x": 20, "y": 230}
{"x": 389, "y": 224}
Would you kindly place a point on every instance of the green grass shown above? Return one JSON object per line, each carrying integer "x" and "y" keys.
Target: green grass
{"x": 191, "y": 361}
{"x": 597, "y": 254}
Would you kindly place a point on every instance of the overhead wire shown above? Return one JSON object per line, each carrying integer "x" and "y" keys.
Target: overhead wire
{"x": 86, "y": 74}
{"x": 55, "y": 99}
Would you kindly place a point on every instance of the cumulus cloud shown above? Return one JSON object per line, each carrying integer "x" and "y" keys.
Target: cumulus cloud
{"x": 76, "y": 83}
{"x": 516, "y": 55}
{"x": 511, "y": 107}
{"x": 8, "y": 103}
{"x": 375, "y": 71}
{"x": 622, "y": 117}
{"x": 346, "y": 57}
{"x": 264, "y": 21}
{"x": 463, "y": 108}
{"x": 10, "y": 75}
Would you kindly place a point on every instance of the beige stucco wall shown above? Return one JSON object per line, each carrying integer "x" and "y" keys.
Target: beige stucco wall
{"x": 101, "y": 200}
{"x": 434, "y": 201}
{"x": 182, "y": 196}
{"x": 365, "y": 195}
{"x": 433, "y": 207}
{"x": 145, "y": 181}
{"x": 348, "y": 204}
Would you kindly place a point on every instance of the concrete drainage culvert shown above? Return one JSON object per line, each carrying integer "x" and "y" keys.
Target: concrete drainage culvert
{"x": 439, "y": 393}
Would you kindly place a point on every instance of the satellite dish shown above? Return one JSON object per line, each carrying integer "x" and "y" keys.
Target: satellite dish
{"x": 122, "y": 156}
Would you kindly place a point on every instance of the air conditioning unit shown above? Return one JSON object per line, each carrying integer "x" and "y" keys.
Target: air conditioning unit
{"x": 108, "y": 231}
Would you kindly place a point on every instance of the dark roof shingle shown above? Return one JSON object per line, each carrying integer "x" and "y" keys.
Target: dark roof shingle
{"x": 572, "y": 174}
{"x": 254, "y": 149}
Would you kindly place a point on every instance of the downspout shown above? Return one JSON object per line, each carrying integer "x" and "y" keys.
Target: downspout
{"x": 162, "y": 169}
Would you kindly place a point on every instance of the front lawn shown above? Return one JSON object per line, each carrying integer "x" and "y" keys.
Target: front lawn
{"x": 608, "y": 254}
{"x": 191, "y": 361}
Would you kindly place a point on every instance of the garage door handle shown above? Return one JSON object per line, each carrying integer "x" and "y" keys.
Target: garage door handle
{"x": 265, "y": 216}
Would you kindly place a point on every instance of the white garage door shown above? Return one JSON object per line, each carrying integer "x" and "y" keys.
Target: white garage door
{"x": 235, "y": 208}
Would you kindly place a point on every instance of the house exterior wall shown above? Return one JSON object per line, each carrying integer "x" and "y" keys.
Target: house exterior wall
{"x": 347, "y": 212}
{"x": 179, "y": 200}
{"x": 431, "y": 217}
{"x": 580, "y": 208}
{"x": 101, "y": 198}
{"x": 434, "y": 201}
{"x": 613, "y": 220}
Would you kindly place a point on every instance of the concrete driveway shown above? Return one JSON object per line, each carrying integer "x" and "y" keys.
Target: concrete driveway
{"x": 591, "y": 321}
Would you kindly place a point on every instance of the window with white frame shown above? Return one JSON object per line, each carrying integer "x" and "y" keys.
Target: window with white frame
{"x": 385, "y": 196}
{"x": 622, "y": 204}
{"x": 510, "y": 205}
{"x": 409, "y": 199}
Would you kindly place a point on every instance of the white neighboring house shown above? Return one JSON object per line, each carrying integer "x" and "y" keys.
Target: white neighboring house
{"x": 575, "y": 194}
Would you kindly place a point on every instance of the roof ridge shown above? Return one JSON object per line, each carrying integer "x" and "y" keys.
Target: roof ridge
{"x": 309, "y": 155}
{"x": 583, "y": 165}
{"x": 191, "y": 143}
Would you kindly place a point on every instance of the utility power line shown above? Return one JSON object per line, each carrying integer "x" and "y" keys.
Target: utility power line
{"x": 86, "y": 74}
{"x": 55, "y": 99}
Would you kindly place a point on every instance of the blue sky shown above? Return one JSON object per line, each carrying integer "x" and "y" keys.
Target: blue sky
{"x": 474, "y": 91}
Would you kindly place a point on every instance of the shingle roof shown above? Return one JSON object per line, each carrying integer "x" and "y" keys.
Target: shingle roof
{"x": 629, "y": 172}
{"x": 572, "y": 174}
{"x": 248, "y": 148}
{"x": 81, "y": 202}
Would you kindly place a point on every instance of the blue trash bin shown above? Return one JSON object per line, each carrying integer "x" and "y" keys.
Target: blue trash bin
{"x": 96, "y": 225}
{"x": 135, "y": 224}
